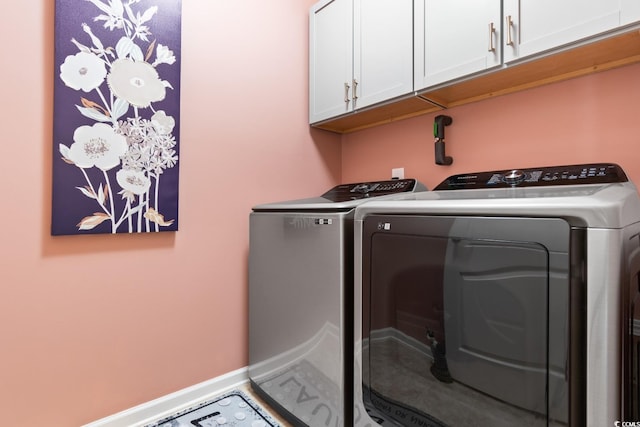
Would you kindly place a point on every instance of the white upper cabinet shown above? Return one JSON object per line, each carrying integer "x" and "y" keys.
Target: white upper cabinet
{"x": 535, "y": 26}
{"x": 369, "y": 56}
{"x": 330, "y": 59}
{"x": 361, "y": 53}
{"x": 455, "y": 38}
{"x": 383, "y": 50}
{"x": 630, "y": 12}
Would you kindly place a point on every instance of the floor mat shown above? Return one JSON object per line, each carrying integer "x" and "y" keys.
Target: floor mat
{"x": 233, "y": 409}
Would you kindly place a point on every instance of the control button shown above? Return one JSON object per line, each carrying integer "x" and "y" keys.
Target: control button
{"x": 364, "y": 188}
{"x": 534, "y": 176}
{"x": 514, "y": 177}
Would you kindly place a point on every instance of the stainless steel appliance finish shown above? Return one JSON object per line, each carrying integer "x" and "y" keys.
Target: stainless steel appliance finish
{"x": 300, "y": 299}
{"x": 500, "y": 298}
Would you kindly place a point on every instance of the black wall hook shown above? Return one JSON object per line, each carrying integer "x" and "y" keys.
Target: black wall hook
{"x": 438, "y": 132}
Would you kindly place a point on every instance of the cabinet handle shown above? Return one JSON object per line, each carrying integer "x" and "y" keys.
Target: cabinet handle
{"x": 346, "y": 92}
{"x": 509, "y": 28}
{"x": 355, "y": 91}
{"x": 492, "y": 31}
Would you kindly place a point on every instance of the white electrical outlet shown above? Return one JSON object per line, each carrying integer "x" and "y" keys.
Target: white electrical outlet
{"x": 397, "y": 173}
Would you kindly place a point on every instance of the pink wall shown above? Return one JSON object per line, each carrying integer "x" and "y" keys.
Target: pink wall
{"x": 589, "y": 119}
{"x": 92, "y": 325}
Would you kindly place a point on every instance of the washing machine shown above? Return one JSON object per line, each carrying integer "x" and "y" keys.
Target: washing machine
{"x": 501, "y": 298}
{"x": 300, "y": 299}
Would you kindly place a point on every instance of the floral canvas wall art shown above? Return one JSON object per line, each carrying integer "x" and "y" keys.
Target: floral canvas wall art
{"x": 116, "y": 116}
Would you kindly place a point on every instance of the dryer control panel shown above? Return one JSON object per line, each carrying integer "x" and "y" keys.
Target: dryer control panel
{"x": 595, "y": 173}
{"x": 362, "y": 190}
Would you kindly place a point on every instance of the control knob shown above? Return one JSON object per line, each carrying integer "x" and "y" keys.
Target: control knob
{"x": 514, "y": 177}
{"x": 361, "y": 188}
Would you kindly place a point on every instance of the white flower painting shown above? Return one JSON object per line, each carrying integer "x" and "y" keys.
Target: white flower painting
{"x": 116, "y": 108}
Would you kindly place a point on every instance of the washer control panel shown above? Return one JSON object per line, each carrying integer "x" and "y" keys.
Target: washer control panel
{"x": 594, "y": 173}
{"x": 361, "y": 190}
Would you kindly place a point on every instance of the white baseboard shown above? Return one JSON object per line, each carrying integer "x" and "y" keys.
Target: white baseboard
{"x": 164, "y": 406}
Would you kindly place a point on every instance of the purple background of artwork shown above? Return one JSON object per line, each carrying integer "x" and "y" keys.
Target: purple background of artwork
{"x": 69, "y": 205}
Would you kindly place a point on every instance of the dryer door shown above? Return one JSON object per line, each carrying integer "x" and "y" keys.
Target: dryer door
{"x": 466, "y": 320}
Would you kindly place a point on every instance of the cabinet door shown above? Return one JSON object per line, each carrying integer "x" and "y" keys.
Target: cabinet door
{"x": 383, "y": 50}
{"x": 330, "y": 59}
{"x": 534, "y": 26}
{"x": 455, "y": 38}
{"x": 630, "y": 12}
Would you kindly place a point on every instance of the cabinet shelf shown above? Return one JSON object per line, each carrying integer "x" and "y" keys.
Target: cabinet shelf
{"x": 578, "y": 60}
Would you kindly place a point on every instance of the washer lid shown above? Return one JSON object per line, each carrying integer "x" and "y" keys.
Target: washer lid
{"x": 608, "y": 200}
{"x": 345, "y": 197}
